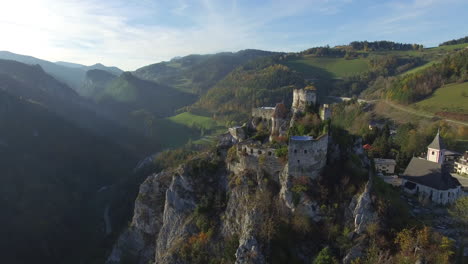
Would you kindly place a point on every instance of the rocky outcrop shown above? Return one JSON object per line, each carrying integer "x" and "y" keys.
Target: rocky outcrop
{"x": 137, "y": 243}
{"x": 362, "y": 210}
{"x": 180, "y": 202}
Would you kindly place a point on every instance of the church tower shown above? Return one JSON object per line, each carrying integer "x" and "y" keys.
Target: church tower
{"x": 436, "y": 150}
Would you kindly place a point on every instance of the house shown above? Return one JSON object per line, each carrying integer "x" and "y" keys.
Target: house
{"x": 430, "y": 178}
{"x": 367, "y": 147}
{"x": 461, "y": 166}
{"x": 386, "y": 166}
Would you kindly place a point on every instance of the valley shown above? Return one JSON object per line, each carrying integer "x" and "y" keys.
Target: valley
{"x": 170, "y": 162}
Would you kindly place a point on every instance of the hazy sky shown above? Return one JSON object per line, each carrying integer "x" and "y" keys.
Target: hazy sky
{"x": 130, "y": 34}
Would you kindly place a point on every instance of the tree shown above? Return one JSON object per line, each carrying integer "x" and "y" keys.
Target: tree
{"x": 459, "y": 210}
{"x": 325, "y": 256}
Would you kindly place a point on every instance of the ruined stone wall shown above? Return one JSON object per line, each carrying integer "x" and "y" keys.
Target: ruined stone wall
{"x": 307, "y": 157}
{"x": 302, "y": 98}
{"x": 255, "y": 157}
{"x": 263, "y": 112}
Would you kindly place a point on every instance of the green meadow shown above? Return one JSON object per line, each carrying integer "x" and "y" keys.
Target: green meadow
{"x": 326, "y": 67}
{"x": 449, "y": 98}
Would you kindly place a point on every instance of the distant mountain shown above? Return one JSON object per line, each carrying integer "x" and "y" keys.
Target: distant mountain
{"x": 197, "y": 73}
{"x": 31, "y": 83}
{"x": 96, "y": 81}
{"x": 69, "y": 64}
{"x": 70, "y": 73}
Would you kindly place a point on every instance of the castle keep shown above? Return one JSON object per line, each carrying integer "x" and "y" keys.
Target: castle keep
{"x": 307, "y": 156}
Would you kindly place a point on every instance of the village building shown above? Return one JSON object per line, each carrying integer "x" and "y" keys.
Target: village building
{"x": 461, "y": 166}
{"x": 386, "y": 166}
{"x": 430, "y": 178}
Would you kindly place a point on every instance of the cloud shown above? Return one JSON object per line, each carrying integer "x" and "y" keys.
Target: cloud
{"x": 134, "y": 33}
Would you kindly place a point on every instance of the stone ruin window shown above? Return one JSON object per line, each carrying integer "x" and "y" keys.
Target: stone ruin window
{"x": 305, "y": 151}
{"x": 295, "y": 151}
{"x": 441, "y": 195}
{"x": 251, "y": 151}
{"x": 298, "y": 161}
{"x": 259, "y": 152}
{"x": 269, "y": 153}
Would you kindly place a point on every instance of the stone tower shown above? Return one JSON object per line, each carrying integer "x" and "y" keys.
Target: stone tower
{"x": 325, "y": 112}
{"x": 303, "y": 98}
{"x": 279, "y": 121}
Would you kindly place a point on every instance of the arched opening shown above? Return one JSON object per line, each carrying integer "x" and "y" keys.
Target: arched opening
{"x": 298, "y": 161}
{"x": 305, "y": 151}
{"x": 259, "y": 152}
{"x": 295, "y": 151}
{"x": 269, "y": 153}
{"x": 251, "y": 151}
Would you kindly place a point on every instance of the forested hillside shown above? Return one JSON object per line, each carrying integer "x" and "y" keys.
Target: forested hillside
{"x": 33, "y": 84}
{"x": 416, "y": 86}
{"x": 261, "y": 82}
{"x": 50, "y": 175}
{"x": 197, "y": 73}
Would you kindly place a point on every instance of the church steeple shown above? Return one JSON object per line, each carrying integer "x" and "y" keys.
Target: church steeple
{"x": 436, "y": 150}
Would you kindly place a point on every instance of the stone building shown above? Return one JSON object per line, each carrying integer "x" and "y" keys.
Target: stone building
{"x": 276, "y": 118}
{"x": 264, "y": 112}
{"x": 461, "y": 166}
{"x": 307, "y": 156}
{"x": 386, "y": 166}
{"x": 253, "y": 154}
{"x": 302, "y": 98}
{"x": 279, "y": 121}
{"x": 430, "y": 178}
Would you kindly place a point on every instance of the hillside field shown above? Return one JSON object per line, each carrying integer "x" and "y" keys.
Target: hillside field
{"x": 194, "y": 121}
{"x": 452, "y": 98}
{"x": 326, "y": 67}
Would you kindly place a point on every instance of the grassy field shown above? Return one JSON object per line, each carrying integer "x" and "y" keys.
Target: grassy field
{"x": 449, "y": 47}
{"x": 323, "y": 67}
{"x": 449, "y": 98}
{"x": 195, "y": 121}
{"x": 416, "y": 69}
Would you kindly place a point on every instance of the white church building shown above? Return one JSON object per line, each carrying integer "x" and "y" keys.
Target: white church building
{"x": 429, "y": 178}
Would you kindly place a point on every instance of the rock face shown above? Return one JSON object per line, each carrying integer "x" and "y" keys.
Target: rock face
{"x": 363, "y": 211}
{"x": 137, "y": 243}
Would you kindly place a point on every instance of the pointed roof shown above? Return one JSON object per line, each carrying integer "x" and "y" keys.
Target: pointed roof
{"x": 437, "y": 143}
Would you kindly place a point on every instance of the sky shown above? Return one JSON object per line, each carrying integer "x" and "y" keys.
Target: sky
{"x": 130, "y": 34}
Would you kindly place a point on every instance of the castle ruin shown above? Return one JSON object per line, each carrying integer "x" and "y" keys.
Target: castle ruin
{"x": 303, "y": 98}
{"x": 307, "y": 156}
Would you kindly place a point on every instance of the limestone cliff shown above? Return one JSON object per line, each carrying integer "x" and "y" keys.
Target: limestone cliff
{"x": 237, "y": 203}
